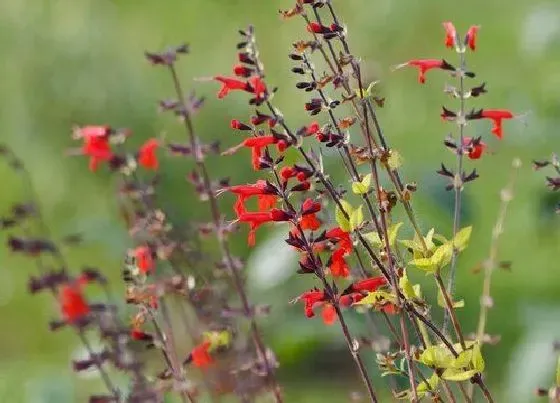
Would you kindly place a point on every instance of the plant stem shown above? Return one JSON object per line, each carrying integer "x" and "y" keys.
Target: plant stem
{"x": 222, "y": 240}
{"x": 458, "y": 184}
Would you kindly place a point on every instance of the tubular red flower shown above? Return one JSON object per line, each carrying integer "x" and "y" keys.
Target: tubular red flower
{"x": 315, "y": 27}
{"x": 229, "y": 84}
{"x": 266, "y": 201}
{"x": 367, "y": 285}
{"x": 147, "y": 157}
{"x": 200, "y": 355}
{"x": 329, "y": 314}
{"x": 144, "y": 259}
{"x": 474, "y": 148}
{"x": 236, "y": 124}
{"x": 349, "y": 299}
{"x": 338, "y": 265}
{"x": 311, "y": 299}
{"x": 73, "y": 304}
{"x": 257, "y": 87}
{"x": 470, "y": 38}
{"x": 496, "y": 115}
{"x": 450, "y": 34}
{"x": 98, "y": 149}
{"x": 256, "y": 219}
{"x": 424, "y": 65}
{"x": 342, "y": 237}
{"x": 261, "y": 189}
{"x": 313, "y": 128}
{"x": 242, "y": 71}
{"x": 310, "y": 222}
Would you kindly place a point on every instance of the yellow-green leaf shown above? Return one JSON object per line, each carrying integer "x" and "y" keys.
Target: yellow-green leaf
{"x": 456, "y": 304}
{"x": 442, "y": 255}
{"x": 362, "y": 186}
{"x": 437, "y": 356}
{"x": 477, "y": 359}
{"x": 458, "y": 375}
{"x": 407, "y": 288}
{"x": 377, "y": 297}
{"x": 393, "y": 231}
{"x": 341, "y": 219}
{"x": 424, "y": 264}
{"x": 431, "y": 384}
{"x": 217, "y": 339}
{"x": 356, "y": 218}
{"x": 461, "y": 239}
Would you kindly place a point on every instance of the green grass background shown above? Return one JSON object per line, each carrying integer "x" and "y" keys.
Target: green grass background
{"x": 81, "y": 62}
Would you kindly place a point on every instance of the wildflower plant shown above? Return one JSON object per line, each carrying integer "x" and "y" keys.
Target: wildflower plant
{"x": 346, "y": 235}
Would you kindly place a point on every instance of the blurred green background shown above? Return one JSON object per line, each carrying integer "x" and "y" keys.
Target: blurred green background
{"x": 81, "y": 62}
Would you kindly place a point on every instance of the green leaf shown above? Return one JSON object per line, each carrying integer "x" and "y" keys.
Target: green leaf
{"x": 362, "y": 186}
{"x": 407, "y": 288}
{"x": 356, "y": 218}
{"x": 393, "y": 230}
{"x": 424, "y": 264}
{"x": 461, "y": 239}
{"x": 458, "y": 375}
{"x": 437, "y": 356}
{"x": 424, "y": 387}
{"x": 477, "y": 359}
{"x": 377, "y": 297}
{"x": 442, "y": 255}
{"x": 456, "y": 304}
{"x": 341, "y": 220}
{"x": 217, "y": 339}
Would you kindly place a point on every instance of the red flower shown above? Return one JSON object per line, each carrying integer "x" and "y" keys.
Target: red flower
{"x": 496, "y": 115}
{"x": 236, "y": 124}
{"x": 423, "y": 65}
{"x": 257, "y": 87}
{"x": 308, "y": 215}
{"x": 144, "y": 259}
{"x": 261, "y": 189}
{"x": 230, "y": 84}
{"x": 241, "y": 71}
{"x": 450, "y": 34}
{"x": 349, "y": 299}
{"x": 367, "y": 285}
{"x": 315, "y": 27}
{"x": 470, "y": 39}
{"x": 97, "y": 147}
{"x": 329, "y": 314}
{"x": 311, "y": 299}
{"x": 147, "y": 155}
{"x": 256, "y": 219}
{"x": 200, "y": 355}
{"x": 475, "y": 147}
{"x": 313, "y": 128}
{"x": 137, "y": 334}
{"x": 256, "y": 144}
{"x": 266, "y": 201}
{"x": 342, "y": 237}
{"x": 337, "y": 265}
{"x": 73, "y": 304}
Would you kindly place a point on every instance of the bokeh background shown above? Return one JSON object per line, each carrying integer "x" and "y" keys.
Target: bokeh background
{"x": 67, "y": 62}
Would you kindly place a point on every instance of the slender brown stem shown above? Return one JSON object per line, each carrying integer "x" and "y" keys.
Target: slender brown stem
{"x": 450, "y": 310}
{"x": 458, "y": 183}
{"x": 222, "y": 240}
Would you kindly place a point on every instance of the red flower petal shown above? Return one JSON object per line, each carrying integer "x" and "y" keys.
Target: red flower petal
{"x": 147, "y": 155}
